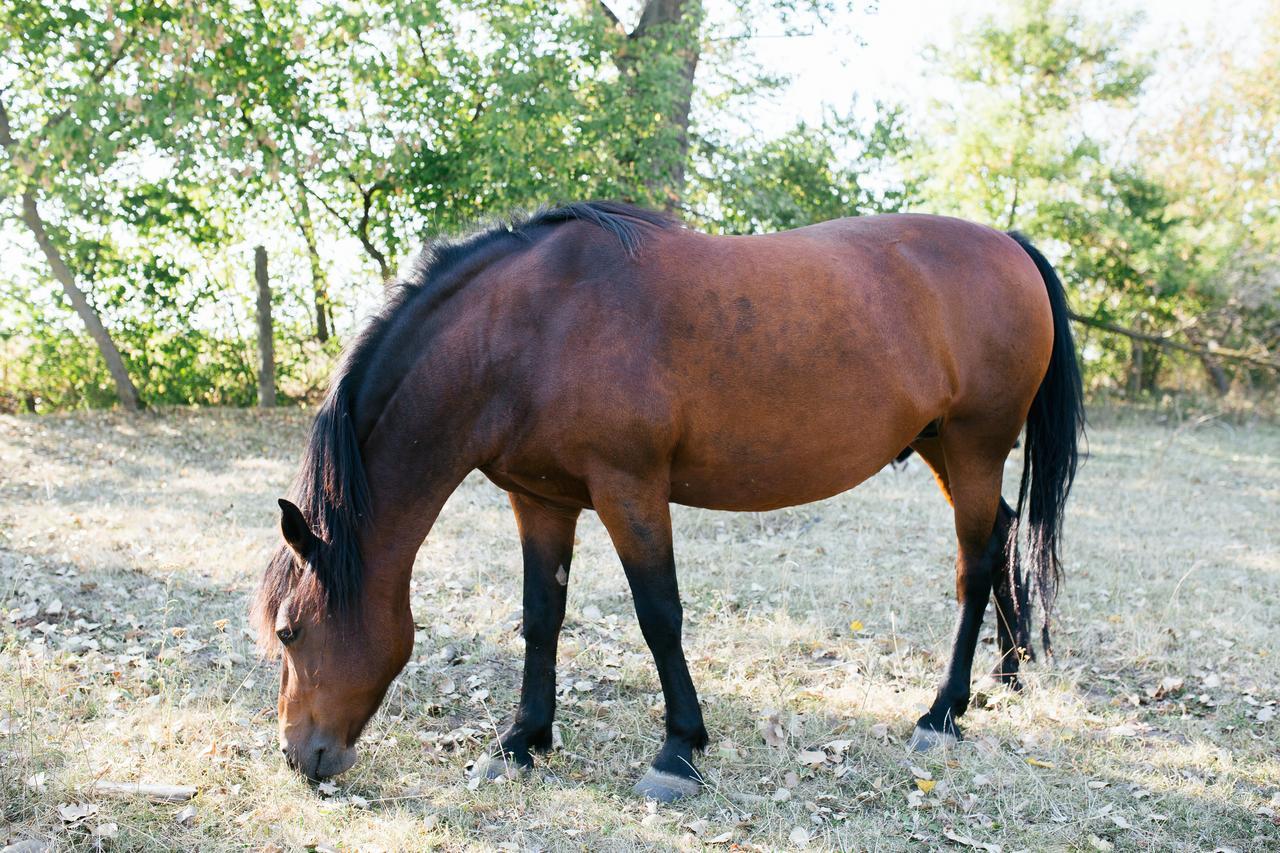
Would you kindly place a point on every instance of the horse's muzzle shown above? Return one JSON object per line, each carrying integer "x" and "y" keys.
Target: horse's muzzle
{"x": 319, "y": 757}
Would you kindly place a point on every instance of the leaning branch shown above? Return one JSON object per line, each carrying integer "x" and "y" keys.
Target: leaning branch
{"x": 1162, "y": 341}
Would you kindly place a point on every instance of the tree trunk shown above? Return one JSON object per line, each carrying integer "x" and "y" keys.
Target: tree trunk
{"x": 266, "y": 344}
{"x": 319, "y": 284}
{"x": 1137, "y": 351}
{"x": 674, "y": 27}
{"x": 125, "y": 389}
{"x": 1218, "y": 378}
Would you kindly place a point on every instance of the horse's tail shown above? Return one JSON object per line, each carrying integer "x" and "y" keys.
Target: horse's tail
{"x": 1050, "y": 455}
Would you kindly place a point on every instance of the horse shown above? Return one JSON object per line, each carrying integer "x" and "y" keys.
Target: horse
{"x": 599, "y": 356}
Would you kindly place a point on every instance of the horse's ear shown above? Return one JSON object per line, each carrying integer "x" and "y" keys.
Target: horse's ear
{"x": 293, "y": 525}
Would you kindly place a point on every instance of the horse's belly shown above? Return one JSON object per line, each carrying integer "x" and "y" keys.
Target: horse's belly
{"x": 763, "y": 472}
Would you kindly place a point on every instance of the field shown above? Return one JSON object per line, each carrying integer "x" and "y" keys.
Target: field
{"x": 129, "y": 547}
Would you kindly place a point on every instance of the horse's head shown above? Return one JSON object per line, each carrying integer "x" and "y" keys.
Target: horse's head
{"x": 341, "y": 642}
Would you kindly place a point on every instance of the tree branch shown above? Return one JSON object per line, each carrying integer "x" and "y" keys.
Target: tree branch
{"x": 94, "y": 79}
{"x": 1163, "y": 341}
{"x": 614, "y": 20}
{"x": 6, "y": 135}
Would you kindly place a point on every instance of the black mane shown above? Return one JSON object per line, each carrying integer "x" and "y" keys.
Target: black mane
{"x": 331, "y": 489}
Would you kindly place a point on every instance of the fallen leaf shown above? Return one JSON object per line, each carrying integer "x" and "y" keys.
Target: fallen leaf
{"x": 855, "y": 626}
{"x": 327, "y": 789}
{"x": 1035, "y": 762}
{"x": 722, "y": 838}
{"x": 73, "y": 812}
{"x": 106, "y": 830}
{"x": 791, "y": 779}
{"x": 186, "y": 816}
{"x": 697, "y": 827}
{"x": 920, "y": 772}
{"x": 966, "y": 841}
{"x": 925, "y": 785}
{"x": 772, "y": 732}
{"x": 812, "y": 757}
{"x": 799, "y": 837}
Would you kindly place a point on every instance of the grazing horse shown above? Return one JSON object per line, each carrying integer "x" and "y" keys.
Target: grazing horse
{"x": 599, "y": 356}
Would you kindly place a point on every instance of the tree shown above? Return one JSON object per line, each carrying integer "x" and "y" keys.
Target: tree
{"x": 87, "y": 95}
{"x": 809, "y": 174}
{"x": 1018, "y": 148}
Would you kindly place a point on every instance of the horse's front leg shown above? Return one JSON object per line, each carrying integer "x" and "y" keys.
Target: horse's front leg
{"x": 638, "y": 519}
{"x": 546, "y": 540}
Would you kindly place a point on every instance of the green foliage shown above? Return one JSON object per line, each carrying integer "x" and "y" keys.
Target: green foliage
{"x": 810, "y": 174}
{"x": 162, "y": 140}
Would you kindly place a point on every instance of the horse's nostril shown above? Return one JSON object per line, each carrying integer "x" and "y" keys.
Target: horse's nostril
{"x": 284, "y": 750}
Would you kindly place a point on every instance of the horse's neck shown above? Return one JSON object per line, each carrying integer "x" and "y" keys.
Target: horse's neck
{"x": 421, "y": 448}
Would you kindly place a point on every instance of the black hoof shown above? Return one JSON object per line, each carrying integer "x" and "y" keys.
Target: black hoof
{"x": 666, "y": 787}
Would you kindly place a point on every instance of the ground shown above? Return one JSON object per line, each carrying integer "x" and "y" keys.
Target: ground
{"x": 129, "y": 547}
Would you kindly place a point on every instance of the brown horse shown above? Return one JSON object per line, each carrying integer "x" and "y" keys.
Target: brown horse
{"x": 598, "y": 356}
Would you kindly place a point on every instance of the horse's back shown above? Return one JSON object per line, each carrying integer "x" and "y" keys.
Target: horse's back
{"x": 778, "y": 369}
{"x": 802, "y": 362}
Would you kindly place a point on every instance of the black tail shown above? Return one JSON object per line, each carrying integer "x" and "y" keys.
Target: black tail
{"x": 1050, "y": 456}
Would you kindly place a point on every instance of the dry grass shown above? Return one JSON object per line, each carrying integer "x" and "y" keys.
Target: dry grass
{"x": 1151, "y": 731}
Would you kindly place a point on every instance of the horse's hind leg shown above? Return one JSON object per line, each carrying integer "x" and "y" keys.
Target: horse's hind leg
{"x": 973, "y": 461}
{"x": 546, "y": 542}
{"x": 1008, "y": 585}
{"x": 1011, "y": 604}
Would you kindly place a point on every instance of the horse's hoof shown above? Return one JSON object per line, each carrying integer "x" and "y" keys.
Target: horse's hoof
{"x": 923, "y": 740}
{"x": 495, "y": 767}
{"x": 666, "y": 787}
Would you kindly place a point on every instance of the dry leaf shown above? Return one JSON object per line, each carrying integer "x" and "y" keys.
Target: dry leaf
{"x": 966, "y": 841}
{"x": 1035, "y": 762}
{"x": 799, "y": 837}
{"x": 73, "y": 812}
{"x": 812, "y": 757}
{"x": 920, "y": 772}
{"x": 925, "y": 785}
{"x": 186, "y": 816}
{"x": 697, "y": 827}
{"x": 772, "y": 732}
{"x": 855, "y": 626}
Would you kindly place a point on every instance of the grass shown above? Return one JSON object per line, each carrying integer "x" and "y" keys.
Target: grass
{"x": 129, "y": 546}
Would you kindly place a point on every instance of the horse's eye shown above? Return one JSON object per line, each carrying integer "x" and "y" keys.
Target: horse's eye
{"x": 287, "y": 635}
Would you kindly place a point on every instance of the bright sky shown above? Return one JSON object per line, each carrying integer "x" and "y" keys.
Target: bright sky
{"x": 830, "y": 68}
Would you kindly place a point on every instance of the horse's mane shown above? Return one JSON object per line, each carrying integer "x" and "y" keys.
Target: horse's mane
{"x": 331, "y": 489}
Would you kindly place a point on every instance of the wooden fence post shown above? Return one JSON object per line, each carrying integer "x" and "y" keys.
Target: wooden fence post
{"x": 266, "y": 345}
